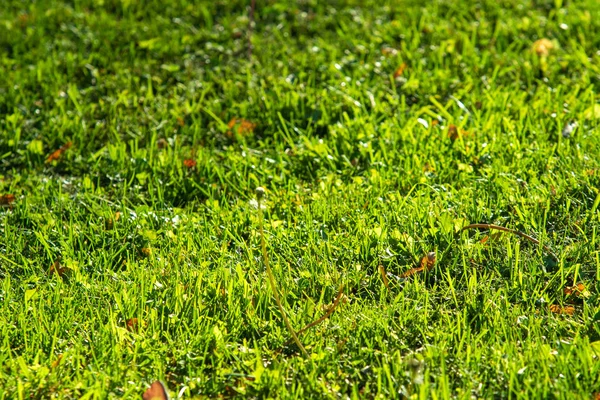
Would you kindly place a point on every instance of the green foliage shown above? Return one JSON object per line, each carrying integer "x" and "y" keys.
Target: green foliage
{"x": 149, "y": 212}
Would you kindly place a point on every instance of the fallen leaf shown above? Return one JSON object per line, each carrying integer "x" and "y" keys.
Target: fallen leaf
{"x": 426, "y": 264}
{"x": 543, "y": 47}
{"x": 400, "y": 70}
{"x": 189, "y": 163}
{"x": 156, "y": 391}
{"x": 454, "y": 132}
{"x": 555, "y": 308}
{"x": 58, "y": 269}
{"x": 578, "y": 290}
{"x": 244, "y": 127}
{"x": 7, "y": 199}
{"x": 133, "y": 324}
{"x": 428, "y": 261}
{"x": 384, "y": 276}
{"x": 58, "y": 153}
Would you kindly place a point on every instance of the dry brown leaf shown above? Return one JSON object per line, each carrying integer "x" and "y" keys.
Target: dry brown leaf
{"x": 400, "y": 70}
{"x": 454, "y": 132}
{"x": 58, "y": 153}
{"x": 426, "y": 264}
{"x": 555, "y": 308}
{"x": 543, "y": 47}
{"x": 428, "y": 261}
{"x": 575, "y": 290}
{"x": 156, "y": 391}
{"x": 58, "y": 269}
{"x": 7, "y": 199}
{"x": 242, "y": 127}
{"x": 133, "y": 324}
{"x": 189, "y": 163}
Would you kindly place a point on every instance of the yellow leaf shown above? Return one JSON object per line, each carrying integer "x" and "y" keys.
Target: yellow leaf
{"x": 555, "y": 308}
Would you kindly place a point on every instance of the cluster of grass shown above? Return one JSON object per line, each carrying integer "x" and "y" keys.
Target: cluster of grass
{"x": 130, "y": 251}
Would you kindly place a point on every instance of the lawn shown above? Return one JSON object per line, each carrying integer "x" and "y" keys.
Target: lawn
{"x": 133, "y": 136}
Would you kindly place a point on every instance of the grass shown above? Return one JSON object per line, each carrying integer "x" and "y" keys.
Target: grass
{"x": 133, "y": 253}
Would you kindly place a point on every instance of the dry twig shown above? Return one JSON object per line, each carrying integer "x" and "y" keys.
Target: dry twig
{"x": 330, "y": 311}
{"x": 260, "y": 192}
{"x": 504, "y": 229}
